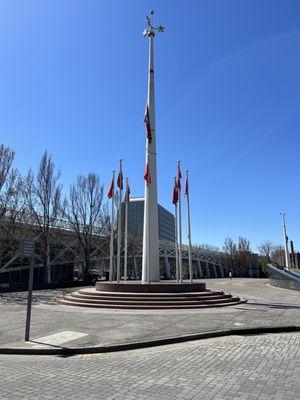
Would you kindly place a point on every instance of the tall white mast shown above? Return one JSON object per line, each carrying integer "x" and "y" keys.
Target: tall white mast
{"x": 120, "y": 185}
{"x": 187, "y": 194}
{"x": 179, "y": 224}
{"x": 150, "y": 267}
{"x": 111, "y": 246}
{"x": 176, "y": 229}
{"x": 126, "y": 230}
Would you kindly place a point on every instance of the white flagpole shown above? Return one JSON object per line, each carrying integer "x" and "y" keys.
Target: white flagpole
{"x": 119, "y": 227}
{"x": 189, "y": 225}
{"x": 150, "y": 261}
{"x": 126, "y": 230}
{"x": 148, "y": 226}
{"x": 176, "y": 236}
{"x": 111, "y": 260}
{"x": 180, "y": 228}
{"x": 286, "y": 243}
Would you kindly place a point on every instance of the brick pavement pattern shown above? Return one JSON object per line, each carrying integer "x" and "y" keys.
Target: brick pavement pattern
{"x": 252, "y": 367}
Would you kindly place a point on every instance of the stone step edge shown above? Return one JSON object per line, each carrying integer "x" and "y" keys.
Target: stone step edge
{"x": 145, "y": 307}
{"x": 140, "y": 294}
{"x": 125, "y": 301}
{"x": 150, "y": 298}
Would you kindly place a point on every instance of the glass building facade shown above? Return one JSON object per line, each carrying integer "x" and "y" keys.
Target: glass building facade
{"x": 166, "y": 220}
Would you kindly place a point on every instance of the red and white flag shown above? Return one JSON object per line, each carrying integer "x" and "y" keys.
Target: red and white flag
{"x": 175, "y": 193}
{"x": 111, "y": 189}
{"x": 147, "y": 122}
{"x": 147, "y": 176}
{"x": 120, "y": 180}
{"x": 127, "y": 194}
{"x": 179, "y": 176}
{"x": 186, "y": 187}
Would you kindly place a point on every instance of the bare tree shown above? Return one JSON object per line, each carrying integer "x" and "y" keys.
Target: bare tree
{"x": 277, "y": 253}
{"x": 230, "y": 249}
{"x": 265, "y": 249}
{"x": 9, "y": 182}
{"x": 244, "y": 245}
{"x": 243, "y": 258}
{"x": 207, "y": 247}
{"x": 85, "y": 215}
{"x": 44, "y": 205}
{"x": 11, "y": 204}
{"x": 106, "y": 219}
{"x": 6, "y": 159}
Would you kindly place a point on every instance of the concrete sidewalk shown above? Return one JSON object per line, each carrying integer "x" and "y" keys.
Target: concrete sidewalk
{"x": 57, "y": 326}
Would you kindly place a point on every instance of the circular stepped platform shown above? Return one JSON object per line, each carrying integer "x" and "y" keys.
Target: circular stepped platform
{"x": 149, "y": 296}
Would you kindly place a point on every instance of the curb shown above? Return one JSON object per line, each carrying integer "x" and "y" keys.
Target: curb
{"x": 65, "y": 351}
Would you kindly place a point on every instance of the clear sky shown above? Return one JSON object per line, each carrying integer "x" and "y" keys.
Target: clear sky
{"x": 73, "y": 80}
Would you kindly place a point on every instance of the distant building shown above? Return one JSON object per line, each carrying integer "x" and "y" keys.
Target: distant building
{"x": 166, "y": 220}
{"x": 294, "y": 263}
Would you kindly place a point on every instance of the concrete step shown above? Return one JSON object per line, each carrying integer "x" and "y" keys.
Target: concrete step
{"x": 77, "y": 298}
{"x": 64, "y": 301}
{"x": 98, "y": 293}
{"x": 151, "y": 298}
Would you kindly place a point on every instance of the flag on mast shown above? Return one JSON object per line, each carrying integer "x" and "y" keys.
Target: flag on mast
{"x": 186, "y": 186}
{"x": 120, "y": 180}
{"x": 111, "y": 189}
{"x": 179, "y": 176}
{"x": 147, "y": 122}
{"x": 147, "y": 176}
{"x": 175, "y": 192}
{"x": 127, "y": 194}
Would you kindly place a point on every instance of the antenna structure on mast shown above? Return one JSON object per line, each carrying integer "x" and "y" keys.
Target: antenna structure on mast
{"x": 150, "y": 31}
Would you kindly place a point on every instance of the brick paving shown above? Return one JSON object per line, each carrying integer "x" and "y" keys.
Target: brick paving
{"x": 246, "y": 368}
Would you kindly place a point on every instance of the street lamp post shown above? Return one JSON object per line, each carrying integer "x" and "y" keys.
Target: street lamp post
{"x": 286, "y": 243}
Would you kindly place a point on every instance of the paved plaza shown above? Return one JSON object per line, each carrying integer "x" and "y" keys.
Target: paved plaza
{"x": 251, "y": 367}
{"x": 69, "y": 326}
{"x": 234, "y": 367}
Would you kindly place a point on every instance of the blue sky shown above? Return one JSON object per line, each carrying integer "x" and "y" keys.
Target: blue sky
{"x": 73, "y": 80}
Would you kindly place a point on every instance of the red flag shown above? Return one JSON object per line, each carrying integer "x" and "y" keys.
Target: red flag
{"x": 111, "y": 189}
{"x": 186, "y": 187}
{"x": 120, "y": 180}
{"x": 147, "y": 122}
{"x": 175, "y": 193}
{"x": 147, "y": 176}
{"x": 179, "y": 176}
{"x": 127, "y": 193}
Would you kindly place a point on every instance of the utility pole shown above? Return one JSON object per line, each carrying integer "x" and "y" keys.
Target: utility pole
{"x": 286, "y": 243}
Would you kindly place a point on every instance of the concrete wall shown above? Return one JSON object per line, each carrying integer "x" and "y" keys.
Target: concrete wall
{"x": 283, "y": 279}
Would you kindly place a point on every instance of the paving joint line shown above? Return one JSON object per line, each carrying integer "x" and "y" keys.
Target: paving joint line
{"x": 70, "y": 351}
